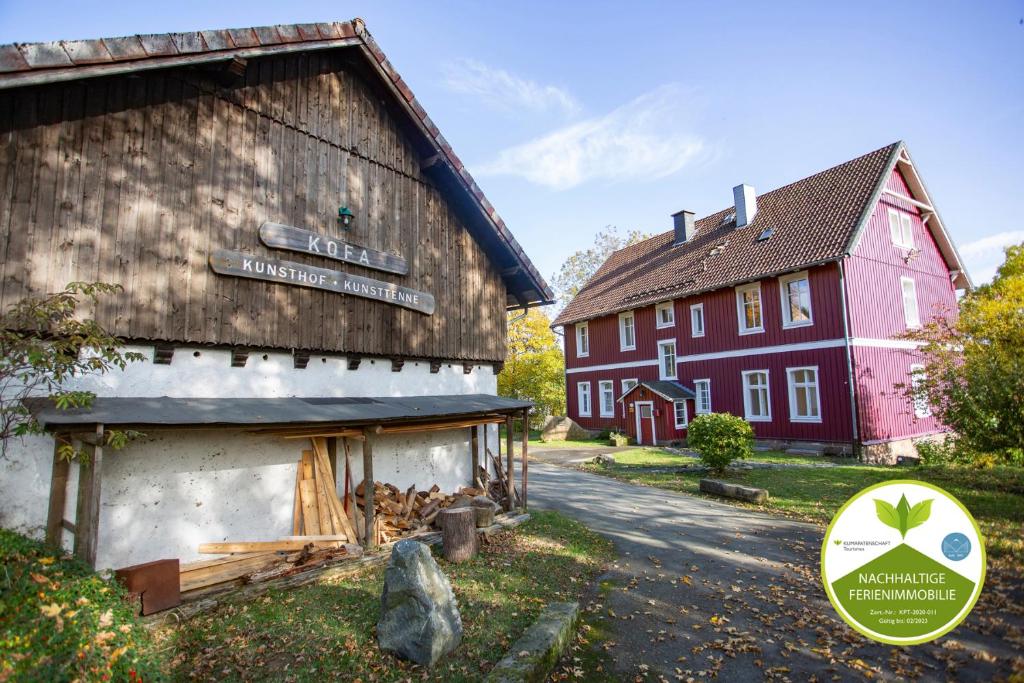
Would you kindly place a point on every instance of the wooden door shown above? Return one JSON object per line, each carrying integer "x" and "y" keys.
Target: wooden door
{"x": 645, "y": 431}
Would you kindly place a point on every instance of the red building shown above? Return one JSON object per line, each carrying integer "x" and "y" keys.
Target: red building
{"x": 785, "y": 308}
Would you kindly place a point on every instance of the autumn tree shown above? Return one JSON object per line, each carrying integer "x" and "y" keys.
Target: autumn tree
{"x": 973, "y": 374}
{"x": 45, "y": 343}
{"x": 581, "y": 265}
{"x": 534, "y": 368}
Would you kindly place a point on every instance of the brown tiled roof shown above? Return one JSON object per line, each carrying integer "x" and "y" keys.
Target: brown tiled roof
{"x": 812, "y": 220}
{"x": 24, "y": 64}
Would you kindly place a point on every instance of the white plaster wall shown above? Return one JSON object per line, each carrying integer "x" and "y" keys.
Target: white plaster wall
{"x": 226, "y": 484}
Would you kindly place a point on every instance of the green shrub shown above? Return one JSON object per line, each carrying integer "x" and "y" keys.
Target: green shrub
{"x": 720, "y": 438}
{"x": 956, "y": 451}
{"x": 60, "y": 621}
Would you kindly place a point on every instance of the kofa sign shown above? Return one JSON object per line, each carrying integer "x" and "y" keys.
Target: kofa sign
{"x": 235, "y": 263}
{"x": 280, "y": 236}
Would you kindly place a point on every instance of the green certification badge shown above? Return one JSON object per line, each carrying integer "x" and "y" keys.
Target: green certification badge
{"x": 903, "y": 562}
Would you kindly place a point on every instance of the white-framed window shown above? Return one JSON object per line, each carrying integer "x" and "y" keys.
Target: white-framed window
{"x": 804, "y": 397}
{"x": 697, "y": 320}
{"x": 748, "y": 308}
{"x": 667, "y": 359}
{"x": 909, "y": 292}
{"x": 583, "y": 396}
{"x": 627, "y": 331}
{"x": 679, "y": 409}
{"x": 582, "y": 340}
{"x": 627, "y": 384}
{"x": 606, "y": 389}
{"x": 702, "y": 404}
{"x": 921, "y": 407}
{"x": 795, "y": 290}
{"x": 757, "y": 405}
{"x": 665, "y": 315}
{"x": 901, "y": 229}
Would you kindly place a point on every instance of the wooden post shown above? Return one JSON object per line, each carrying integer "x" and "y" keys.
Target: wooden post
{"x": 58, "y": 494}
{"x": 509, "y": 462}
{"x": 474, "y": 444}
{"x": 87, "y": 515}
{"x": 525, "y": 465}
{"x": 369, "y": 537}
{"x": 332, "y": 457}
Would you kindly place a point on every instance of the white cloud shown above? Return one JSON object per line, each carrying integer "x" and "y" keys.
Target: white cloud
{"x": 646, "y": 138}
{"x": 984, "y": 256}
{"x": 506, "y": 91}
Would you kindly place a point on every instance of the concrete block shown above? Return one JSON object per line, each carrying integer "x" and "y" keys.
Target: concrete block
{"x": 538, "y": 650}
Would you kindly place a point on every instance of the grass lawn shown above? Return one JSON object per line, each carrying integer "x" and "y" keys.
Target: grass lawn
{"x": 994, "y": 496}
{"x": 659, "y": 457}
{"x": 327, "y": 631}
{"x": 535, "y": 442}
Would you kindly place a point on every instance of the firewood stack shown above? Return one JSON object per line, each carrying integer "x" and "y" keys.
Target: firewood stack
{"x": 398, "y": 513}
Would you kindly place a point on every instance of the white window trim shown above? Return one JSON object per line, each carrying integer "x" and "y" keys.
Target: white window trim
{"x": 901, "y": 216}
{"x": 675, "y": 414}
{"x": 921, "y": 410}
{"x": 624, "y": 388}
{"x": 793, "y": 417}
{"x": 661, "y": 359}
{"x": 784, "y": 281}
{"x": 622, "y": 331}
{"x": 741, "y": 319}
{"x": 746, "y": 396}
{"x": 579, "y": 399}
{"x": 600, "y": 398}
{"x": 911, "y": 324}
{"x": 696, "y": 400}
{"x": 580, "y": 327}
{"x": 703, "y": 320}
{"x": 665, "y": 305}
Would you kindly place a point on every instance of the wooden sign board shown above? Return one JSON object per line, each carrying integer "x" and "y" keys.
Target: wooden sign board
{"x": 237, "y": 264}
{"x": 280, "y": 236}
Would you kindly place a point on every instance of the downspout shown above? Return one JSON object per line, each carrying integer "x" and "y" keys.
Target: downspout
{"x": 849, "y": 362}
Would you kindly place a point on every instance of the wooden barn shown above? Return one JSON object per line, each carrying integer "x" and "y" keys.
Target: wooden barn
{"x": 306, "y": 263}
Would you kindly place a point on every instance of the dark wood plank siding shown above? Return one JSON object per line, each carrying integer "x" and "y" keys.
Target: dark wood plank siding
{"x": 134, "y": 180}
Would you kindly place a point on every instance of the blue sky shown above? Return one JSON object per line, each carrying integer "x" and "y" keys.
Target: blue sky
{"x": 574, "y": 116}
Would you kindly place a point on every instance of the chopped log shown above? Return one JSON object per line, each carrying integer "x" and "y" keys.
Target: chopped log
{"x": 435, "y": 489}
{"x": 483, "y": 507}
{"x": 458, "y": 534}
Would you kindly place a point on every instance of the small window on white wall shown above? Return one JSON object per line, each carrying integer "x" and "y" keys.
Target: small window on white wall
{"x": 582, "y": 340}
{"x": 909, "y": 292}
{"x": 702, "y": 404}
{"x": 665, "y": 315}
{"x": 697, "y": 320}
{"x": 583, "y": 395}
{"x": 607, "y": 394}
{"x": 667, "y": 359}
{"x": 627, "y": 331}
{"x": 756, "y": 402}
{"x": 901, "y": 229}
{"x": 748, "y": 308}
{"x": 917, "y": 377}
{"x": 680, "y": 412}
{"x": 804, "y": 398}
{"x": 795, "y": 290}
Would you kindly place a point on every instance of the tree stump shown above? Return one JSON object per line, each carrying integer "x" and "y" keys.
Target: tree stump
{"x": 458, "y": 533}
{"x": 484, "y": 509}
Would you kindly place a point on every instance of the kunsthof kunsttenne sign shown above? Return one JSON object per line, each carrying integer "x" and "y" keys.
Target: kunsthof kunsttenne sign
{"x": 281, "y": 236}
{"x": 235, "y": 263}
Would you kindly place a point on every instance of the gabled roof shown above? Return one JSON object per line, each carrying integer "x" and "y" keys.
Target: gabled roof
{"x": 813, "y": 221}
{"x": 667, "y": 389}
{"x": 25, "y": 64}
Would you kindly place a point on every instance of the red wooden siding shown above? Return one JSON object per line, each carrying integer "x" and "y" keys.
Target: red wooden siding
{"x": 664, "y": 416}
{"x": 884, "y": 413}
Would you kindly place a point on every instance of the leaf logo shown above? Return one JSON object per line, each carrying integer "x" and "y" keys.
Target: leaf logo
{"x": 903, "y": 517}
{"x": 838, "y": 542}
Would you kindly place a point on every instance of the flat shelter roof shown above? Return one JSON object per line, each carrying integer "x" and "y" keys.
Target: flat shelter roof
{"x": 341, "y": 411}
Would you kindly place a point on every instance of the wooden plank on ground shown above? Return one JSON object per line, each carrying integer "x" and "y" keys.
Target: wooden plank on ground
{"x": 226, "y": 571}
{"x": 214, "y": 561}
{"x": 259, "y": 546}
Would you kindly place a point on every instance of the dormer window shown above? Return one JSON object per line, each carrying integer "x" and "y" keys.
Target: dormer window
{"x": 665, "y": 315}
{"x": 901, "y": 229}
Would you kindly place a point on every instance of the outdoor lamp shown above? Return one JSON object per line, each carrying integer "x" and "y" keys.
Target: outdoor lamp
{"x": 345, "y": 216}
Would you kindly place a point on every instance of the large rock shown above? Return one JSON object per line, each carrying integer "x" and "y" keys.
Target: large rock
{"x": 557, "y": 428}
{"x": 419, "y": 619}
